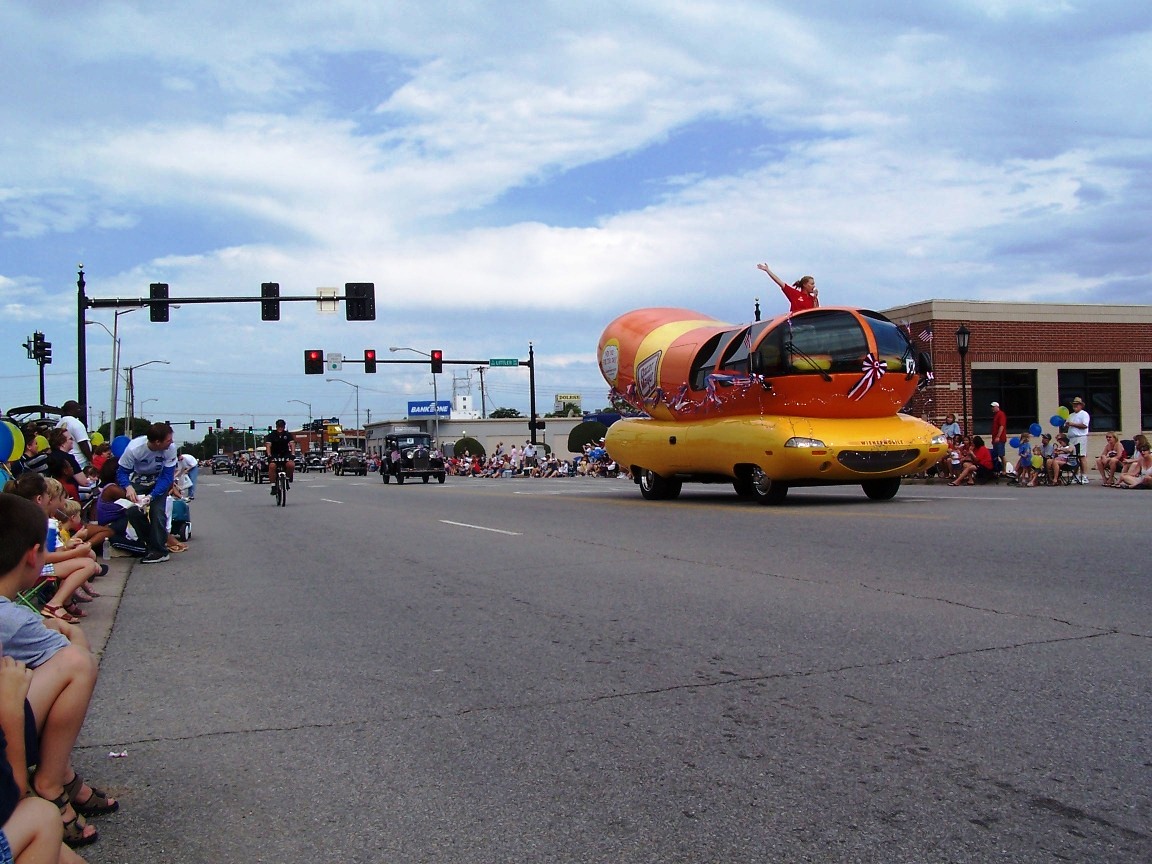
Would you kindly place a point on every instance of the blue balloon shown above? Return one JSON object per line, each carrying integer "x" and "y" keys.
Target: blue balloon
{"x": 1035, "y": 429}
{"x": 1056, "y": 420}
{"x": 7, "y": 442}
{"x": 1014, "y": 442}
{"x": 120, "y": 444}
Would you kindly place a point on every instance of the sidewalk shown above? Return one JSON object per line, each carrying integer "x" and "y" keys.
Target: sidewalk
{"x": 102, "y": 611}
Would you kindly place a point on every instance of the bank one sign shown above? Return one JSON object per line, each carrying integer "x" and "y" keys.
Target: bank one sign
{"x": 428, "y": 408}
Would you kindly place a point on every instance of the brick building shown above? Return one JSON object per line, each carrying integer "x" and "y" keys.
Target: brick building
{"x": 1032, "y": 358}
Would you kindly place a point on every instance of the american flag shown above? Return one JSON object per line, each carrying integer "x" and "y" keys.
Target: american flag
{"x": 926, "y": 334}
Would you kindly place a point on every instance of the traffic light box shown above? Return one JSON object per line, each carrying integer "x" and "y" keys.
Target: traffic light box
{"x": 270, "y": 301}
{"x": 369, "y": 359}
{"x": 313, "y": 361}
{"x": 437, "y": 360}
{"x": 360, "y": 301}
{"x": 158, "y": 311}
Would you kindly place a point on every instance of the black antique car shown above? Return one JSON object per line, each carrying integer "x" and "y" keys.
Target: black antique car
{"x": 411, "y": 454}
{"x": 350, "y": 460}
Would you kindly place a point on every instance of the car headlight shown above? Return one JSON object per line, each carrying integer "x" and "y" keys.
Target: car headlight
{"x": 940, "y": 440}
{"x": 808, "y": 443}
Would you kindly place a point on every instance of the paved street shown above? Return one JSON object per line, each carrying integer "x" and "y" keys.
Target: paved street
{"x": 559, "y": 671}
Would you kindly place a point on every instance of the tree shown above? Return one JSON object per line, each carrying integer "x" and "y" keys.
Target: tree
{"x": 468, "y": 445}
{"x": 503, "y": 414}
{"x": 589, "y": 432}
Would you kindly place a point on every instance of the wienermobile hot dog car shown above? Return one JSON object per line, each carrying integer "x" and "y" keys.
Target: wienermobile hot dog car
{"x": 809, "y": 398}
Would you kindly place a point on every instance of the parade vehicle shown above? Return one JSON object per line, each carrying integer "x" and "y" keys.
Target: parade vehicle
{"x": 221, "y": 464}
{"x": 410, "y": 454}
{"x": 810, "y": 398}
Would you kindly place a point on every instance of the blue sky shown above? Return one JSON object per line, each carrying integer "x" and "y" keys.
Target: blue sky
{"x": 512, "y": 173}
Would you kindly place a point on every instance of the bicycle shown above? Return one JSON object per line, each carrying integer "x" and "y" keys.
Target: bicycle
{"x": 281, "y": 487}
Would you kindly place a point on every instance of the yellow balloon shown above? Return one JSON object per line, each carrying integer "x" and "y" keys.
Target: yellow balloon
{"x": 1037, "y": 461}
{"x": 41, "y": 443}
{"x": 96, "y": 439}
{"x": 1063, "y": 412}
{"x": 17, "y": 442}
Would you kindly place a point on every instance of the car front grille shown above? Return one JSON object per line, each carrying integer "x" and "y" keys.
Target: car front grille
{"x": 876, "y": 462}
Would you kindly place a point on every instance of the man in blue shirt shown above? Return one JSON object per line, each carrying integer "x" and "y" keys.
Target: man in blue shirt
{"x": 147, "y": 467}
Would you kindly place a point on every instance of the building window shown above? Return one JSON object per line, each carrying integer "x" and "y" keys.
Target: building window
{"x": 1145, "y": 399}
{"x": 1014, "y": 389}
{"x": 1100, "y": 390}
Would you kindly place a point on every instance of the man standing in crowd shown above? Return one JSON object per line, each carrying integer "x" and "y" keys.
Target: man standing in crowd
{"x": 999, "y": 437}
{"x": 70, "y": 420}
{"x": 1078, "y": 423}
{"x": 148, "y": 467}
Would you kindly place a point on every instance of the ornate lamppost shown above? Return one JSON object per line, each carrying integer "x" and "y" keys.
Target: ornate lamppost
{"x": 962, "y": 335}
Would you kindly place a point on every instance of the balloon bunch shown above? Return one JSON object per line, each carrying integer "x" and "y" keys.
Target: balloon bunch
{"x": 1060, "y": 417}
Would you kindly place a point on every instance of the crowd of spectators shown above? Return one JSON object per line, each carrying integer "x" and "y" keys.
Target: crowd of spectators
{"x": 1043, "y": 459}
{"x": 527, "y": 461}
{"x": 68, "y": 506}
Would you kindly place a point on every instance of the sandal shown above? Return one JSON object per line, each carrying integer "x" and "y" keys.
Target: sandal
{"x": 953, "y": 483}
{"x": 74, "y": 833}
{"x": 98, "y": 802}
{"x": 177, "y": 547}
{"x": 50, "y": 611}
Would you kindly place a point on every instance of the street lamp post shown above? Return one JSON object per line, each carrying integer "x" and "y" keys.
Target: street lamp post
{"x": 130, "y": 395}
{"x": 435, "y": 395}
{"x": 115, "y": 376}
{"x": 307, "y": 405}
{"x": 962, "y": 335}
{"x": 355, "y": 387}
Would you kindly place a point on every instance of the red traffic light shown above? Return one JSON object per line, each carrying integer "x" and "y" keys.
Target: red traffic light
{"x": 313, "y": 362}
{"x": 437, "y": 357}
{"x": 369, "y": 359}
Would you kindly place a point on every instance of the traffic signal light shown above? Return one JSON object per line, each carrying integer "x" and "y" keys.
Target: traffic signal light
{"x": 536, "y": 424}
{"x": 369, "y": 359}
{"x": 191, "y": 424}
{"x": 313, "y": 362}
{"x": 270, "y": 303}
{"x": 360, "y": 301}
{"x": 437, "y": 357}
{"x": 41, "y": 350}
{"x": 217, "y": 423}
{"x": 158, "y": 311}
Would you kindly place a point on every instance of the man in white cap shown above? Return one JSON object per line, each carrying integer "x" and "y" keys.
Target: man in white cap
{"x": 999, "y": 437}
{"x": 1078, "y": 423}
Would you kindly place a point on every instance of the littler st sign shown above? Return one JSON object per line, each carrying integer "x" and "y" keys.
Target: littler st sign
{"x": 504, "y": 361}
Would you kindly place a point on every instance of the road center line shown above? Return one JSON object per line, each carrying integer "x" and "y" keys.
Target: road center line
{"x": 481, "y": 528}
{"x": 331, "y": 501}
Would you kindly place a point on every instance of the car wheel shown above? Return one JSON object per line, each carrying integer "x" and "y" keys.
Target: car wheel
{"x": 384, "y": 476}
{"x": 425, "y": 478}
{"x": 656, "y": 488}
{"x": 766, "y": 490}
{"x": 881, "y": 490}
{"x": 440, "y": 478}
{"x": 399, "y": 479}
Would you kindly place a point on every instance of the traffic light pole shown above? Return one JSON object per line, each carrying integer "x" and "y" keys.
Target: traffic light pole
{"x": 359, "y": 299}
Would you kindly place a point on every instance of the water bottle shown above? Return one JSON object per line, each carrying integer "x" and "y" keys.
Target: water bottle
{"x": 53, "y": 534}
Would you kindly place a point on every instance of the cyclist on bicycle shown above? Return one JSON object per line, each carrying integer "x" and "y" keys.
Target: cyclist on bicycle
{"x": 280, "y": 445}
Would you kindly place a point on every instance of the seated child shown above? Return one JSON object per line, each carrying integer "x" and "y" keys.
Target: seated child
{"x": 1062, "y": 454}
{"x": 126, "y": 519}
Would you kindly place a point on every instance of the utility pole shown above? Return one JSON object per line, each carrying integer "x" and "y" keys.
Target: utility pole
{"x": 483, "y": 401}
